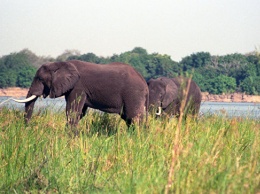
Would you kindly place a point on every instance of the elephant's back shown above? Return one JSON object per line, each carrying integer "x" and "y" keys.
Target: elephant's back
{"x": 126, "y": 72}
{"x": 194, "y": 90}
{"x": 116, "y": 72}
{"x": 183, "y": 81}
{"x": 111, "y": 68}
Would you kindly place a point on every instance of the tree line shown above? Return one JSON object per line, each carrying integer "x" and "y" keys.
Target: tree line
{"x": 214, "y": 74}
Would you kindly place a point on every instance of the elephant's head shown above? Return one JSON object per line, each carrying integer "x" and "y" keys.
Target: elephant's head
{"x": 162, "y": 92}
{"x": 53, "y": 80}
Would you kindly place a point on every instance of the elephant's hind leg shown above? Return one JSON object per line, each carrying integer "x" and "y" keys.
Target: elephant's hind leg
{"x": 84, "y": 111}
{"x": 133, "y": 114}
{"x": 137, "y": 120}
{"x": 127, "y": 120}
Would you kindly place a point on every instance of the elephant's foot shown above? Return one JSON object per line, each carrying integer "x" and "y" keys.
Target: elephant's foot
{"x": 72, "y": 130}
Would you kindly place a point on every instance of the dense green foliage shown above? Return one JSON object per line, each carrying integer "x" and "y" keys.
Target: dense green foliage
{"x": 215, "y": 155}
{"x": 214, "y": 74}
{"x": 224, "y": 74}
{"x": 16, "y": 71}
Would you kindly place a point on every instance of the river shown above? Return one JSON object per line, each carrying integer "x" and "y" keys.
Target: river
{"x": 230, "y": 109}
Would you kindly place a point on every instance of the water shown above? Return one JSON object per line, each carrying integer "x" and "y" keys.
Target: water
{"x": 57, "y": 104}
{"x": 230, "y": 109}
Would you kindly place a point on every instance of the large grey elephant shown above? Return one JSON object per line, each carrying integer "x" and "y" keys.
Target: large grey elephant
{"x": 113, "y": 88}
{"x": 166, "y": 95}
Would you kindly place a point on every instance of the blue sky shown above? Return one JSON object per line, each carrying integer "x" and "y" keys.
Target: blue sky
{"x": 105, "y": 27}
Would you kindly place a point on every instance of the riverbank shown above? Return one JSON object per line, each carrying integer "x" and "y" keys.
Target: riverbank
{"x": 13, "y": 92}
{"x": 234, "y": 97}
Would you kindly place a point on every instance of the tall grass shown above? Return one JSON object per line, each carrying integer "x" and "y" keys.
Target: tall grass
{"x": 216, "y": 155}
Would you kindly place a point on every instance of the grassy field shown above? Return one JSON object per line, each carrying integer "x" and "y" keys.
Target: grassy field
{"x": 212, "y": 155}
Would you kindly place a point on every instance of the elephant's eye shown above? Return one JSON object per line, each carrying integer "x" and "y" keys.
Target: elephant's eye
{"x": 40, "y": 79}
{"x": 160, "y": 94}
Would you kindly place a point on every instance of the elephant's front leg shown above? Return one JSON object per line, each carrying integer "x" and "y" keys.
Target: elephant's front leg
{"x": 74, "y": 108}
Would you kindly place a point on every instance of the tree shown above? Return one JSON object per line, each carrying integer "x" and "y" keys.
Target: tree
{"x": 149, "y": 65}
{"x": 35, "y": 60}
{"x": 222, "y": 84}
{"x": 196, "y": 60}
{"x": 24, "y": 78}
{"x": 139, "y": 50}
{"x": 66, "y": 54}
{"x": 199, "y": 79}
{"x": 89, "y": 57}
{"x": 251, "y": 85}
{"x": 16, "y": 70}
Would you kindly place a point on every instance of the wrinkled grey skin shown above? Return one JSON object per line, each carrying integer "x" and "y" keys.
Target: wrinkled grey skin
{"x": 168, "y": 93}
{"x": 113, "y": 88}
{"x": 162, "y": 92}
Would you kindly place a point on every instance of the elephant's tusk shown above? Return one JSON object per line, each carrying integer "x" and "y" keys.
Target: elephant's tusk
{"x": 159, "y": 111}
{"x": 25, "y": 100}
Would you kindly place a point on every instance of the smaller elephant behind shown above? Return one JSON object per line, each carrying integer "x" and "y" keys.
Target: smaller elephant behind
{"x": 167, "y": 94}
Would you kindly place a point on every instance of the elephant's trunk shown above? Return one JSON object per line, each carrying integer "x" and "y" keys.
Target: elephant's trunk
{"x": 29, "y": 105}
{"x": 29, "y": 109}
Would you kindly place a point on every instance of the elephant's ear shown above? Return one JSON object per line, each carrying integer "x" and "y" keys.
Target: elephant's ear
{"x": 170, "y": 94}
{"x": 64, "y": 76}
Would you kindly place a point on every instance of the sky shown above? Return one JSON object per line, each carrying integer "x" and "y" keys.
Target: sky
{"x": 105, "y": 27}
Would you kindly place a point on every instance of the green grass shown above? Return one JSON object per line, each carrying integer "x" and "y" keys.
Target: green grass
{"x": 215, "y": 155}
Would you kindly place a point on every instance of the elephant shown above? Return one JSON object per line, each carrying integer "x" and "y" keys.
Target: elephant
{"x": 166, "y": 95}
{"x": 113, "y": 88}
